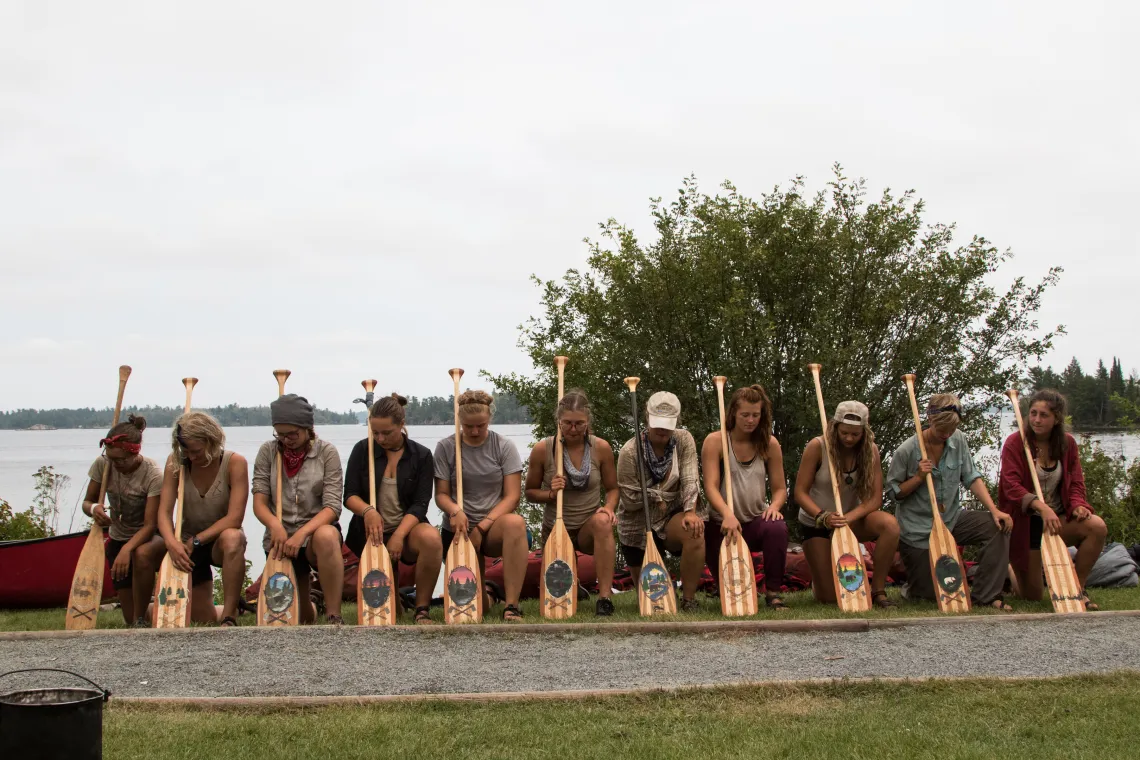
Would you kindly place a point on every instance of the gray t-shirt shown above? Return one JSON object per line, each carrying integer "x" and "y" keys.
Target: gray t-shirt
{"x": 484, "y": 468}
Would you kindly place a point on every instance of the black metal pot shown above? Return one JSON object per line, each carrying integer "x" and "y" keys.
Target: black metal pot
{"x": 52, "y": 723}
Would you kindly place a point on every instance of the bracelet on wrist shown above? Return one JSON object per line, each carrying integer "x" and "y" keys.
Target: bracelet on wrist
{"x": 368, "y": 509}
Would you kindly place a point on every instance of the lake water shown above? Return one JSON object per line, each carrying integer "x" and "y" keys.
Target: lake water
{"x": 71, "y": 452}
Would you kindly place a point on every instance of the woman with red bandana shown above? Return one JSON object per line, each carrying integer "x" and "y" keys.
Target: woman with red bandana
{"x": 133, "y": 488}
{"x": 309, "y": 529}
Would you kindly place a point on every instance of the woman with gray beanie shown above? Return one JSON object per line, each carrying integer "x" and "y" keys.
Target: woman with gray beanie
{"x": 309, "y": 529}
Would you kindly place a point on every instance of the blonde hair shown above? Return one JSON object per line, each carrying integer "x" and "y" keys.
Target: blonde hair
{"x": 864, "y": 458}
{"x": 943, "y": 418}
{"x": 475, "y": 402}
{"x": 200, "y": 427}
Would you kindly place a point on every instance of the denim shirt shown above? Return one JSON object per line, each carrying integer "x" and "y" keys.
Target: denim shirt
{"x": 953, "y": 472}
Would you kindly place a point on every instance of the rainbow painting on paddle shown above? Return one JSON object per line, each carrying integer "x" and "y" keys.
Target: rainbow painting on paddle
{"x": 849, "y": 570}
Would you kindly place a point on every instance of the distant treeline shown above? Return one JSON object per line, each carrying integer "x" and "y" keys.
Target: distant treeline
{"x": 440, "y": 410}
{"x": 431, "y": 410}
{"x": 156, "y": 416}
{"x": 1104, "y": 399}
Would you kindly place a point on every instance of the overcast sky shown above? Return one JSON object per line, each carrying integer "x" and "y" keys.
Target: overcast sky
{"x": 219, "y": 189}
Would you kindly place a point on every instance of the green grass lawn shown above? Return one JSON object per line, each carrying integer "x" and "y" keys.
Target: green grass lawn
{"x": 1066, "y": 718}
{"x": 803, "y": 607}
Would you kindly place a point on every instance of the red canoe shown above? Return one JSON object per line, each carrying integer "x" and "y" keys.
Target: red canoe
{"x": 38, "y": 572}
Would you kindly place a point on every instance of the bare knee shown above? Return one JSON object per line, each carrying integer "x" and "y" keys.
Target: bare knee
{"x": 514, "y": 526}
{"x": 231, "y": 542}
{"x": 326, "y": 538}
{"x": 1096, "y": 528}
{"x": 599, "y": 527}
{"x": 886, "y": 526}
{"x": 694, "y": 547}
{"x": 429, "y": 542}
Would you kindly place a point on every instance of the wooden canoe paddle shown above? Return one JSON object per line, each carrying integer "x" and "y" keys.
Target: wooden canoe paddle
{"x": 737, "y": 576}
{"x": 1060, "y": 575}
{"x": 846, "y": 555}
{"x": 558, "y": 597}
{"x": 463, "y": 588}
{"x": 945, "y": 565}
{"x": 277, "y": 603}
{"x": 655, "y": 592}
{"x": 376, "y": 587}
{"x": 87, "y": 582}
{"x": 172, "y": 595}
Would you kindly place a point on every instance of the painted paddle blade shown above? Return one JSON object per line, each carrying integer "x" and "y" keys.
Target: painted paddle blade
{"x": 558, "y": 596}
{"x": 737, "y": 578}
{"x": 171, "y": 597}
{"x": 851, "y": 592}
{"x": 277, "y": 602}
{"x": 655, "y": 592}
{"x": 87, "y": 584}
{"x": 376, "y": 587}
{"x": 1064, "y": 590}
{"x": 947, "y": 570}
{"x": 463, "y": 586}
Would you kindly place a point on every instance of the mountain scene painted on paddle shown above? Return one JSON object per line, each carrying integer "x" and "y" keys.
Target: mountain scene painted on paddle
{"x": 279, "y": 593}
{"x": 654, "y": 581}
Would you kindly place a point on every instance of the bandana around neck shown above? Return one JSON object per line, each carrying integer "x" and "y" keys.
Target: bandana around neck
{"x": 657, "y": 467}
{"x": 577, "y": 478}
{"x": 293, "y": 459}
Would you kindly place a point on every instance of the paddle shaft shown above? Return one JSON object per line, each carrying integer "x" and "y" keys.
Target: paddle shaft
{"x": 826, "y": 446}
{"x": 282, "y": 375}
{"x": 1013, "y": 396}
{"x": 188, "y": 383}
{"x": 921, "y": 444}
{"x": 720, "y": 380}
{"x": 369, "y": 386}
{"x": 456, "y": 374}
{"x": 560, "y": 362}
{"x": 631, "y": 383}
{"x": 124, "y": 373}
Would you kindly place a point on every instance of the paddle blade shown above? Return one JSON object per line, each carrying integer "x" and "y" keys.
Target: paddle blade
{"x": 850, "y": 577}
{"x": 87, "y": 584}
{"x": 655, "y": 592}
{"x": 1064, "y": 590}
{"x": 171, "y": 597}
{"x": 277, "y": 603}
{"x": 558, "y": 595}
{"x": 947, "y": 570}
{"x": 463, "y": 586}
{"x": 377, "y": 589}
{"x": 737, "y": 578}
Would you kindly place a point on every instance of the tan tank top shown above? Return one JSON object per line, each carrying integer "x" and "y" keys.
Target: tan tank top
{"x": 1051, "y": 481}
{"x": 577, "y": 505}
{"x": 200, "y": 511}
{"x": 749, "y": 488}
{"x": 820, "y": 490}
{"x": 390, "y": 510}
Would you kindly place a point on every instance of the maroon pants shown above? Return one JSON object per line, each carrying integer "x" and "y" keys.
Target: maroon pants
{"x": 770, "y": 537}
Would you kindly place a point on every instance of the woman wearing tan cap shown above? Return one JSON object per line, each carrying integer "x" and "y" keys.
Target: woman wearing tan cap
{"x": 673, "y": 487}
{"x": 758, "y": 467}
{"x": 860, "y": 476}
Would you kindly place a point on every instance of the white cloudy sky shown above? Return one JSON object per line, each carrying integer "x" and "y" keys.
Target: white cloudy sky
{"x": 362, "y": 189}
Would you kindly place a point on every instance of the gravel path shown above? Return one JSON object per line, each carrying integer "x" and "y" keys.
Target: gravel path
{"x": 355, "y": 661}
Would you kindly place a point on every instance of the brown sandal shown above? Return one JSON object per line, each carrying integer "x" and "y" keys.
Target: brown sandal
{"x": 228, "y": 622}
{"x": 512, "y": 614}
{"x": 423, "y": 616}
{"x": 882, "y": 601}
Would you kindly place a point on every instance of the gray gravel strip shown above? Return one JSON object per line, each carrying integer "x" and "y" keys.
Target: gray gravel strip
{"x": 326, "y": 661}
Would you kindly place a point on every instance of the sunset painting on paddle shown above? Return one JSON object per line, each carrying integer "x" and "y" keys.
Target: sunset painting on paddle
{"x": 850, "y": 572}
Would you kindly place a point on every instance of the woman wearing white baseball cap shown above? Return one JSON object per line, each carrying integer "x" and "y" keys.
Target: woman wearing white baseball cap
{"x": 860, "y": 475}
{"x": 673, "y": 485}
